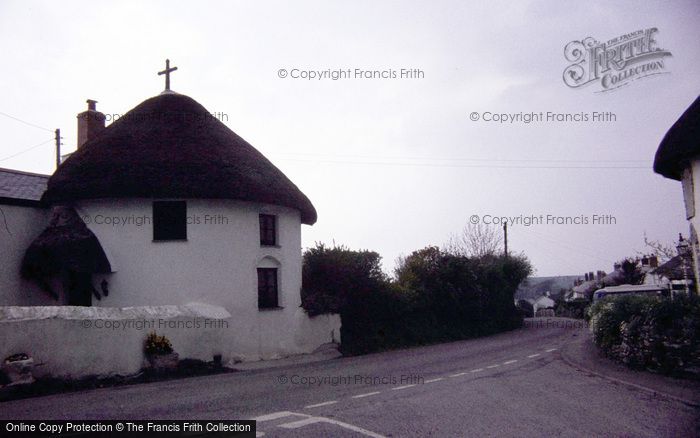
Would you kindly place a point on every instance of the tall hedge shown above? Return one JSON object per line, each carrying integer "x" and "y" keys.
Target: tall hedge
{"x": 333, "y": 279}
{"x": 435, "y": 297}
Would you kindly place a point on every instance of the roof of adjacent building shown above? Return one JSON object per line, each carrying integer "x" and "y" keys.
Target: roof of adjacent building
{"x": 17, "y": 187}
{"x": 680, "y": 144}
{"x": 170, "y": 146}
{"x": 623, "y": 288}
{"x": 674, "y": 269}
{"x": 586, "y": 286}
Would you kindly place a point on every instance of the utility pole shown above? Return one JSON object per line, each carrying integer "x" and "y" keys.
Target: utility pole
{"x": 505, "y": 237}
{"x": 58, "y": 148}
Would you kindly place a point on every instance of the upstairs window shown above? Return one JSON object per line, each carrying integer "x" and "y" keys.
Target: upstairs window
{"x": 267, "y": 288}
{"x": 268, "y": 230}
{"x": 169, "y": 220}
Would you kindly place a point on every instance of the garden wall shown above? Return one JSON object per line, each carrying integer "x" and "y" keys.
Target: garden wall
{"x": 75, "y": 342}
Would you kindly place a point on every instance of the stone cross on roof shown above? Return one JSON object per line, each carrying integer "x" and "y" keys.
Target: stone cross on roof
{"x": 166, "y": 72}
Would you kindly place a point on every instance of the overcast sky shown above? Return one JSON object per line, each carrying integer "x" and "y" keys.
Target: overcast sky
{"x": 393, "y": 164}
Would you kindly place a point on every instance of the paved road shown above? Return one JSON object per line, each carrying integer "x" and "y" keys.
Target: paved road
{"x": 512, "y": 384}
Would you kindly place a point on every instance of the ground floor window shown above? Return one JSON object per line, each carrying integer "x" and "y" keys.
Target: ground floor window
{"x": 267, "y": 288}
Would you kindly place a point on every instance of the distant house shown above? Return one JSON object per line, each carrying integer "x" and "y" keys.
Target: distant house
{"x": 678, "y": 158}
{"x": 675, "y": 275}
{"x": 617, "y": 277}
{"x": 583, "y": 290}
{"x": 541, "y": 305}
{"x": 534, "y": 287}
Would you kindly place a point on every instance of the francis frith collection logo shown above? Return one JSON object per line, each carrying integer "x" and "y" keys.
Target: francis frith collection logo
{"x": 615, "y": 63}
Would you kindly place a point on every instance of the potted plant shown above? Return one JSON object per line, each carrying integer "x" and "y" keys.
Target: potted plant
{"x": 18, "y": 369}
{"x": 159, "y": 352}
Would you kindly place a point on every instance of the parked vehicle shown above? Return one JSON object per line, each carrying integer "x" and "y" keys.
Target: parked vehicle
{"x": 630, "y": 289}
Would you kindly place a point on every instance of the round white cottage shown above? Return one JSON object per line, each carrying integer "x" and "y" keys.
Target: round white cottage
{"x": 168, "y": 206}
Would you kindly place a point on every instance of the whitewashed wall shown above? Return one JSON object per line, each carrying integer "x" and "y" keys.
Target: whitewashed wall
{"x": 18, "y": 228}
{"x": 695, "y": 221}
{"x": 216, "y": 265}
{"x": 75, "y": 342}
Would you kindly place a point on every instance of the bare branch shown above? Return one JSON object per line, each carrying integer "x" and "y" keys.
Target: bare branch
{"x": 476, "y": 240}
{"x": 665, "y": 252}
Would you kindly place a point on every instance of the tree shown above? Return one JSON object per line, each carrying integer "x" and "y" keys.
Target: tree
{"x": 418, "y": 264}
{"x": 631, "y": 272}
{"x": 476, "y": 240}
{"x": 665, "y": 252}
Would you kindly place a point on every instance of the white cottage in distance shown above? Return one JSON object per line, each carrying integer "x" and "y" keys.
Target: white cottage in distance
{"x": 166, "y": 207}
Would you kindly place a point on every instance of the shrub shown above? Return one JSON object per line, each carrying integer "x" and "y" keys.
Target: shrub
{"x": 155, "y": 345}
{"x": 525, "y": 308}
{"x": 608, "y": 315}
{"x": 572, "y": 309}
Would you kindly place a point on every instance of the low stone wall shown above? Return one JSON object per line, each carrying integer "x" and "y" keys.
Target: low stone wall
{"x": 75, "y": 342}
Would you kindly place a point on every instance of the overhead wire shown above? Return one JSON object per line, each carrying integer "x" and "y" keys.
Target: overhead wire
{"x": 27, "y": 149}
{"x": 25, "y": 122}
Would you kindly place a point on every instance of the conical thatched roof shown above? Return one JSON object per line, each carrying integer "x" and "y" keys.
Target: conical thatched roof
{"x": 65, "y": 245}
{"x": 171, "y": 147}
{"x": 680, "y": 144}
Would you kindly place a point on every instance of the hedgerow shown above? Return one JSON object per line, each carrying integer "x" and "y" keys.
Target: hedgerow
{"x": 435, "y": 296}
{"x": 655, "y": 333}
